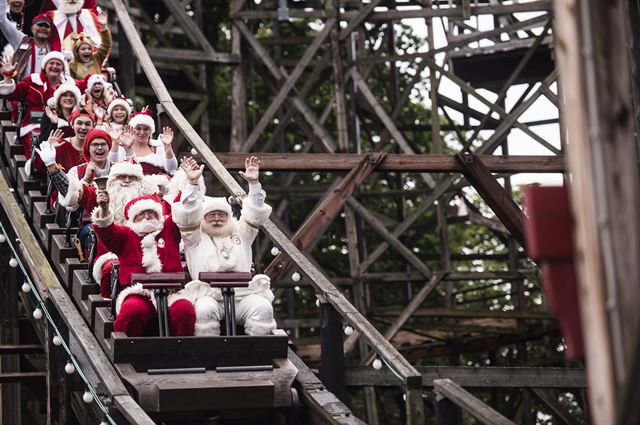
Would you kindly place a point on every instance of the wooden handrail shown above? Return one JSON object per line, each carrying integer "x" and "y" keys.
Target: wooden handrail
{"x": 411, "y": 377}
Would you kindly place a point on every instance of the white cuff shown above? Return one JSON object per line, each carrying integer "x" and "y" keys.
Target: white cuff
{"x": 101, "y": 222}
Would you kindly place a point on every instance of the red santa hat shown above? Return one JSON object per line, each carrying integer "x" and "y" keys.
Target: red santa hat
{"x": 143, "y": 203}
{"x": 81, "y": 113}
{"x": 66, "y": 88}
{"x": 144, "y": 117}
{"x": 93, "y": 79}
{"x": 215, "y": 204}
{"x": 92, "y": 135}
{"x": 119, "y": 101}
{"x": 127, "y": 167}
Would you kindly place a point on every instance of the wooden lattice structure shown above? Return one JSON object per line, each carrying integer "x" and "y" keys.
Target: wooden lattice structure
{"x": 324, "y": 88}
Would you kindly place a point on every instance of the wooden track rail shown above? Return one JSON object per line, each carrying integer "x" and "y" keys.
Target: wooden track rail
{"x": 50, "y": 289}
{"x": 410, "y": 376}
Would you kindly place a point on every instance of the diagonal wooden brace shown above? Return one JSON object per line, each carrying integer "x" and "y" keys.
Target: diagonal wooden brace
{"x": 323, "y": 215}
{"x": 494, "y": 195}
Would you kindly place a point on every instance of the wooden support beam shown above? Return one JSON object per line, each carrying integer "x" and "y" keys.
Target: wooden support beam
{"x": 494, "y": 195}
{"x": 332, "y": 370}
{"x": 485, "y": 414}
{"x": 477, "y": 377}
{"x": 318, "y": 221}
{"x": 550, "y": 400}
{"x": 429, "y": 163}
{"x": 20, "y": 349}
{"x": 23, "y": 378}
{"x": 408, "y": 311}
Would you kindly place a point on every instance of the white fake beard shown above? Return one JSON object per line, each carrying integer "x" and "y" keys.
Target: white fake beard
{"x": 120, "y": 195}
{"x": 70, "y": 9}
{"x": 214, "y": 231}
{"x": 144, "y": 227}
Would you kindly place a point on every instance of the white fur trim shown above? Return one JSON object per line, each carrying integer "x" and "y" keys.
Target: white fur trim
{"x": 197, "y": 289}
{"x": 136, "y": 289}
{"x": 95, "y": 79}
{"x": 258, "y": 327}
{"x": 54, "y": 55}
{"x": 99, "y": 263}
{"x": 177, "y": 296}
{"x": 144, "y": 205}
{"x": 101, "y": 222}
{"x": 143, "y": 119}
{"x": 125, "y": 168}
{"x": 119, "y": 102}
{"x": 150, "y": 258}
{"x": 73, "y": 192}
{"x": 259, "y": 285}
{"x": 26, "y": 129}
{"x": 64, "y": 88}
{"x": 208, "y": 315}
{"x": 256, "y": 216}
{"x": 215, "y": 204}
{"x": 178, "y": 183}
{"x": 6, "y": 89}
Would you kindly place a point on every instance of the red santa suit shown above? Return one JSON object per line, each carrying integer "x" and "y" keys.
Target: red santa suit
{"x": 228, "y": 252}
{"x": 140, "y": 251}
{"x": 84, "y": 196}
{"x": 74, "y": 21}
{"x": 35, "y": 90}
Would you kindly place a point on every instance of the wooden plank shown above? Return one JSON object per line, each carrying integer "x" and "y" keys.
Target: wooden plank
{"x": 209, "y": 352}
{"x": 20, "y": 349}
{"x": 494, "y": 195}
{"x": 432, "y": 163}
{"x": 321, "y": 403}
{"x": 477, "y": 377}
{"x": 38, "y": 378}
{"x": 319, "y": 220}
{"x": 485, "y": 414}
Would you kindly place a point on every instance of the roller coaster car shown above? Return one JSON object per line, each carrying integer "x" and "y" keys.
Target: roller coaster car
{"x": 195, "y": 377}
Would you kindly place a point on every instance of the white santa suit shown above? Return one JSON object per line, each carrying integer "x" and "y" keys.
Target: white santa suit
{"x": 204, "y": 253}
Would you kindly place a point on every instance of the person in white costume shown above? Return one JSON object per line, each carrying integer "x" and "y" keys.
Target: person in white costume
{"x": 215, "y": 241}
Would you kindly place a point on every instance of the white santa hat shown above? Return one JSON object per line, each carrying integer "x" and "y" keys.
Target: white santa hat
{"x": 119, "y": 101}
{"x": 210, "y": 204}
{"x": 66, "y": 88}
{"x": 95, "y": 79}
{"x": 144, "y": 117}
{"x": 126, "y": 168}
{"x": 56, "y": 55}
{"x": 160, "y": 180}
{"x": 143, "y": 203}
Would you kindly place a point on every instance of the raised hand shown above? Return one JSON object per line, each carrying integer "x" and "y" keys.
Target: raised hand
{"x": 89, "y": 171}
{"x": 47, "y": 153}
{"x": 102, "y": 198}
{"x": 115, "y": 133}
{"x": 8, "y": 67}
{"x": 52, "y": 114}
{"x": 127, "y": 137}
{"x": 55, "y": 137}
{"x": 192, "y": 169}
{"x": 167, "y": 136}
{"x": 103, "y": 18}
{"x": 252, "y": 170}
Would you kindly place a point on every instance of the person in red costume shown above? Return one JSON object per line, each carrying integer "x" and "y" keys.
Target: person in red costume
{"x": 35, "y": 90}
{"x": 71, "y": 17}
{"x": 69, "y": 152}
{"x": 149, "y": 243}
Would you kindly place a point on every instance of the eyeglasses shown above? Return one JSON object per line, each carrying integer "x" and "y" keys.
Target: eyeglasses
{"x": 98, "y": 145}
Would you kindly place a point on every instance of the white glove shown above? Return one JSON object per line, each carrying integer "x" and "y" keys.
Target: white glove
{"x": 47, "y": 153}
